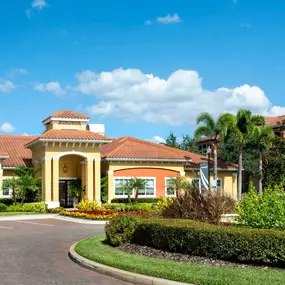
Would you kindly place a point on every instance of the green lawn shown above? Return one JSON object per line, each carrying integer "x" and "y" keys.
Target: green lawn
{"x": 95, "y": 249}
{"x": 17, "y": 213}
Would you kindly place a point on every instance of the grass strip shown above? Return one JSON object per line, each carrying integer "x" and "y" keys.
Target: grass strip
{"x": 18, "y": 213}
{"x": 96, "y": 249}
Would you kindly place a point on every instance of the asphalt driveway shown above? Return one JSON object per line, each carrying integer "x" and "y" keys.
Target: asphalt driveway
{"x": 35, "y": 252}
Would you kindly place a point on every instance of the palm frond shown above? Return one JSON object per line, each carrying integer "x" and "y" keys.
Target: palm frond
{"x": 207, "y": 119}
{"x": 202, "y": 131}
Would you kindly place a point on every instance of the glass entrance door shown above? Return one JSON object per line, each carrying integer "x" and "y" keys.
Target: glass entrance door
{"x": 64, "y": 199}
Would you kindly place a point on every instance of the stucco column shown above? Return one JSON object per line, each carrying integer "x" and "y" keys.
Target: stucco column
{"x": 110, "y": 174}
{"x": 97, "y": 179}
{"x": 1, "y": 181}
{"x": 89, "y": 179}
{"x": 83, "y": 177}
{"x": 55, "y": 180}
{"x": 47, "y": 179}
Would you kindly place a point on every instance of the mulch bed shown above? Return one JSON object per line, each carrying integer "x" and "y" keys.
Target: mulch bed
{"x": 180, "y": 257}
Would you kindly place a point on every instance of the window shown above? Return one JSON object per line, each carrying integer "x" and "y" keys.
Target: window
{"x": 119, "y": 189}
{"x": 169, "y": 188}
{"x": 5, "y": 192}
{"x": 195, "y": 182}
{"x": 148, "y": 191}
{"x": 220, "y": 183}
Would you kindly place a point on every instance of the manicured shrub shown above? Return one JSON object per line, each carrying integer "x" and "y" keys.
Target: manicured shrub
{"x": 120, "y": 229}
{"x": 204, "y": 207}
{"x": 3, "y": 207}
{"x": 139, "y": 200}
{"x": 55, "y": 210}
{"x": 237, "y": 244}
{"x": 120, "y": 207}
{"x": 6, "y": 201}
{"x": 28, "y": 207}
{"x": 263, "y": 211}
{"x": 88, "y": 205}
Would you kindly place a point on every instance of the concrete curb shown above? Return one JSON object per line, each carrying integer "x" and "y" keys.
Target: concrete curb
{"x": 27, "y": 217}
{"x": 118, "y": 273}
{"x": 80, "y": 221}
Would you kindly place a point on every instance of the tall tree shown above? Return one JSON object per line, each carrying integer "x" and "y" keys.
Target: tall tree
{"x": 214, "y": 129}
{"x": 242, "y": 128}
{"x": 171, "y": 140}
{"x": 263, "y": 139}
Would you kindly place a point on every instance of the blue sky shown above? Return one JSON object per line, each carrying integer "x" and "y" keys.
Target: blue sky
{"x": 142, "y": 68}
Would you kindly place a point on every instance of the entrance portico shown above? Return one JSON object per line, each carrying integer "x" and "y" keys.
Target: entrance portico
{"x": 67, "y": 154}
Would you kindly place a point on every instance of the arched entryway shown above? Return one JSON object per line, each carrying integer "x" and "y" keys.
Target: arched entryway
{"x": 71, "y": 173}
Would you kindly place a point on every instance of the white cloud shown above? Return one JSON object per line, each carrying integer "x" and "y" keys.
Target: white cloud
{"x": 7, "y": 128}
{"x": 6, "y": 85}
{"x": 25, "y": 134}
{"x": 52, "y": 87}
{"x": 133, "y": 95}
{"x": 159, "y": 139}
{"x": 245, "y": 25}
{"x": 168, "y": 19}
{"x": 148, "y": 22}
{"x": 39, "y": 4}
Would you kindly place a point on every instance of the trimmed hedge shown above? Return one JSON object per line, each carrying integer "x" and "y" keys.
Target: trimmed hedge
{"x": 3, "y": 207}
{"x": 121, "y": 207}
{"x": 237, "y": 244}
{"x": 139, "y": 200}
{"x": 28, "y": 207}
{"x": 6, "y": 201}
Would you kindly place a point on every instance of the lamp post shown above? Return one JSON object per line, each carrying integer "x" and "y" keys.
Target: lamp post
{"x": 209, "y": 152}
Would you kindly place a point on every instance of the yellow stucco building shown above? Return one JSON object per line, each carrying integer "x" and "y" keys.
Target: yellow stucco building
{"x": 70, "y": 148}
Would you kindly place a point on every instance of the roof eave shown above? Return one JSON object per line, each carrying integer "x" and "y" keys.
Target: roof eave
{"x": 146, "y": 159}
{"x": 68, "y": 140}
{"x": 49, "y": 119}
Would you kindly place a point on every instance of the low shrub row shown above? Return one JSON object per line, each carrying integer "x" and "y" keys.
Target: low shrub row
{"x": 139, "y": 200}
{"x": 201, "y": 239}
{"x": 120, "y": 207}
{"x": 28, "y": 207}
{"x": 6, "y": 201}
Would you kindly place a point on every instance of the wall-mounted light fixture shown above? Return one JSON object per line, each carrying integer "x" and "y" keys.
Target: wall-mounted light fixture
{"x": 65, "y": 169}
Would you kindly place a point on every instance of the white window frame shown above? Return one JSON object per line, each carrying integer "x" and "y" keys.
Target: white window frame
{"x": 219, "y": 179}
{"x": 165, "y": 187}
{"x": 9, "y": 195}
{"x": 133, "y": 195}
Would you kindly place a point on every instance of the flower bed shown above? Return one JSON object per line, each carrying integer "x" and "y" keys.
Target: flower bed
{"x": 104, "y": 214}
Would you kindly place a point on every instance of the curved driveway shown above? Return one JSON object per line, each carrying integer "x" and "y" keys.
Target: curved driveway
{"x": 35, "y": 252}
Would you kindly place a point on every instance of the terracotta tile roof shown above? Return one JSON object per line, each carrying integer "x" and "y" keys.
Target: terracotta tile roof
{"x": 133, "y": 148}
{"x": 3, "y": 153}
{"x": 71, "y": 135}
{"x": 14, "y": 146}
{"x": 274, "y": 121}
{"x": 67, "y": 114}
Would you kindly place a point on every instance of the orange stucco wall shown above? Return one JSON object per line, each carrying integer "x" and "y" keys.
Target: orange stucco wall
{"x": 159, "y": 174}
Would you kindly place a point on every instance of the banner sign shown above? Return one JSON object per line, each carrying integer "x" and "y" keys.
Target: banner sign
{"x": 204, "y": 175}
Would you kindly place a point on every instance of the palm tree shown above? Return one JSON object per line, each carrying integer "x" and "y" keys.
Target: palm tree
{"x": 242, "y": 127}
{"x": 12, "y": 184}
{"x": 214, "y": 129}
{"x": 263, "y": 138}
{"x": 28, "y": 182}
{"x": 176, "y": 184}
{"x": 137, "y": 185}
{"x": 126, "y": 187}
